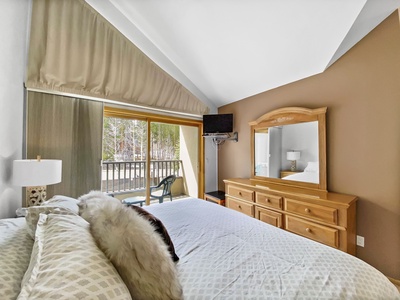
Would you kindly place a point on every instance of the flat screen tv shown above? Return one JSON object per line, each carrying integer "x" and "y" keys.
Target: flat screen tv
{"x": 218, "y": 123}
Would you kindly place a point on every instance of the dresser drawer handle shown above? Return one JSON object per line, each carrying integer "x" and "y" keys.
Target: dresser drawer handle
{"x": 239, "y": 207}
{"x": 240, "y": 193}
{"x": 308, "y": 230}
{"x": 307, "y": 210}
{"x": 268, "y": 200}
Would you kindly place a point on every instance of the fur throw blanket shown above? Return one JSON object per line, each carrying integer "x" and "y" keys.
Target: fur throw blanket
{"x": 132, "y": 245}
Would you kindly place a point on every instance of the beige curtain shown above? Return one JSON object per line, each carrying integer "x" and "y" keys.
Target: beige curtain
{"x": 69, "y": 129}
{"x": 73, "y": 49}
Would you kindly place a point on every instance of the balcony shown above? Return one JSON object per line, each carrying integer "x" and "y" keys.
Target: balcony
{"x": 128, "y": 178}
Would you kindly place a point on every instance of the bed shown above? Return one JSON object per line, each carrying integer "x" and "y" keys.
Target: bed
{"x": 303, "y": 177}
{"x": 223, "y": 255}
{"x": 310, "y": 174}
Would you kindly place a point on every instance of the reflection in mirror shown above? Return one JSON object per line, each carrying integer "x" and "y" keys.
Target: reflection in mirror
{"x": 288, "y": 147}
{"x": 278, "y": 148}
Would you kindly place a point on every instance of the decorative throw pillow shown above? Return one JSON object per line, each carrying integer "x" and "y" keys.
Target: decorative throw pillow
{"x": 136, "y": 250}
{"x": 97, "y": 196}
{"x": 160, "y": 229}
{"x": 34, "y": 212}
{"x": 56, "y": 205}
{"x": 16, "y": 247}
{"x": 64, "y": 202}
{"x": 67, "y": 264}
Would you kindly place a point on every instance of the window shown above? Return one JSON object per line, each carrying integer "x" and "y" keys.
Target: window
{"x": 140, "y": 148}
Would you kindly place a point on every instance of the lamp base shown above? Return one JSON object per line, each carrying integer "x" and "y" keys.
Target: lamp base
{"x": 35, "y": 195}
{"x": 293, "y": 166}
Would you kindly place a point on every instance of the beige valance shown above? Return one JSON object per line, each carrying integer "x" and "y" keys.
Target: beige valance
{"x": 74, "y": 50}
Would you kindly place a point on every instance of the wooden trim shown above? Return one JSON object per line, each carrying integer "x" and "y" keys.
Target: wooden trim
{"x": 322, "y": 149}
{"x": 139, "y": 115}
{"x": 148, "y": 132}
{"x": 287, "y": 116}
{"x": 201, "y": 169}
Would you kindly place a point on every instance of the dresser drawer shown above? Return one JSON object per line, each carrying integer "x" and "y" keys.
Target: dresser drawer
{"x": 269, "y": 200}
{"x": 319, "y": 233}
{"x": 268, "y": 216}
{"x": 312, "y": 211}
{"x": 240, "y": 206}
{"x": 243, "y": 194}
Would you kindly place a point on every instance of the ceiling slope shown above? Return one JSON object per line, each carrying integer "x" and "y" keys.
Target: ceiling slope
{"x": 372, "y": 14}
{"x": 224, "y": 50}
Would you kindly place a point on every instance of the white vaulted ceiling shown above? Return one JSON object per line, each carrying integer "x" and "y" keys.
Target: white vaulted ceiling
{"x": 227, "y": 50}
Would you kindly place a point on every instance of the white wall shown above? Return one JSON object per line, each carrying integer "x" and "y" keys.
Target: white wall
{"x": 210, "y": 162}
{"x": 302, "y": 137}
{"x": 13, "y": 36}
{"x": 275, "y": 148}
{"x": 210, "y": 166}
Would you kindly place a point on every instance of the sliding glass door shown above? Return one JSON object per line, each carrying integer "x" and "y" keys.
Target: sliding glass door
{"x": 141, "y": 150}
{"x": 124, "y": 154}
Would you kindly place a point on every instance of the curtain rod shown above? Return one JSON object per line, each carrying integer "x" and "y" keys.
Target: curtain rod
{"x": 139, "y": 107}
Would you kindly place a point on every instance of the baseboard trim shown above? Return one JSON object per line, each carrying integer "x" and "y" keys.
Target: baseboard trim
{"x": 394, "y": 281}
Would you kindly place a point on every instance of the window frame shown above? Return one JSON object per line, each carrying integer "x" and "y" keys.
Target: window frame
{"x": 116, "y": 112}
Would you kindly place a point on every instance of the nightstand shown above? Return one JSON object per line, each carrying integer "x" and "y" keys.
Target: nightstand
{"x": 288, "y": 172}
{"x": 216, "y": 197}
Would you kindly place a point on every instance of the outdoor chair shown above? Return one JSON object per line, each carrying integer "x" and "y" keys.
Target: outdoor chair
{"x": 162, "y": 189}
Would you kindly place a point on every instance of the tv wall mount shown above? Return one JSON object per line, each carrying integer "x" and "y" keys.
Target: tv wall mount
{"x": 220, "y": 138}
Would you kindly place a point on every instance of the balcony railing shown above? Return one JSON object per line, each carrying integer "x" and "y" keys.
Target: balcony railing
{"x": 131, "y": 175}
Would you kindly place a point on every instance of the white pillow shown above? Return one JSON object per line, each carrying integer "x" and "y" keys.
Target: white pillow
{"x": 312, "y": 166}
{"x": 134, "y": 247}
{"x": 56, "y": 205}
{"x": 64, "y": 202}
{"x": 67, "y": 264}
{"x": 34, "y": 212}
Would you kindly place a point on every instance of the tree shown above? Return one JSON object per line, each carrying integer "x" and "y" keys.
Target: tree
{"x": 125, "y": 140}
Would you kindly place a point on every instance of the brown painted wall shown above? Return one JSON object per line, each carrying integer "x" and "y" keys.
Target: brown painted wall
{"x": 362, "y": 93}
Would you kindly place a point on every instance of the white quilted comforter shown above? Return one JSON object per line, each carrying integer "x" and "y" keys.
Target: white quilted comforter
{"x": 228, "y": 255}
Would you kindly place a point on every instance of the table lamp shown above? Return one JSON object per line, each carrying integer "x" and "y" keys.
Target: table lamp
{"x": 293, "y": 156}
{"x": 35, "y": 174}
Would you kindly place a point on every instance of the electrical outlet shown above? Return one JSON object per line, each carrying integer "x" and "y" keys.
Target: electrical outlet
{"x": 360, "y": 241}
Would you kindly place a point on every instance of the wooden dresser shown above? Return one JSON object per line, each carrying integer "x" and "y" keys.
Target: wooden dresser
{"x": 325, "y": 217}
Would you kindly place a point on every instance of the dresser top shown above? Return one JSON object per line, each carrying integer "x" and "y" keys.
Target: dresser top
{"x": 289, "y": 191}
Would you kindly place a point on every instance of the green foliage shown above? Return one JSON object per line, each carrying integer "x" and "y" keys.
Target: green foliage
{"x": 125, "y": 140}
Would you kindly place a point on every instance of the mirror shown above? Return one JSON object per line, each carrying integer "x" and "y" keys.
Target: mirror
{"x": 288, "y": 147}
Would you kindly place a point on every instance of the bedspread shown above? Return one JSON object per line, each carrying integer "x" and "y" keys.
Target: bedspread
{"x": 227, "y": 255}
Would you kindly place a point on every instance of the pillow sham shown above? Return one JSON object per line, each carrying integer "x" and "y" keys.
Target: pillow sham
{"x": 34, "y": 212}
{"x": 64, "y": 202}
{"x": 160, "y": 229}
{"x": 57, "y": 205}
{"x": 136, "y": 250}
{"x": 312, "y": 167}
{"x": 67, "y": 264}
{"x": 16, "y": 247}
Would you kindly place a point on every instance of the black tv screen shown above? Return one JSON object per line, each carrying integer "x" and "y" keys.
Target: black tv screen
{"x": 219, "y": 123}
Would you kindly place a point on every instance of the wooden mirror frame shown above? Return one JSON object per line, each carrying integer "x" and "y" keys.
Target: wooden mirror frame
{"x": 287, "y": 116}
